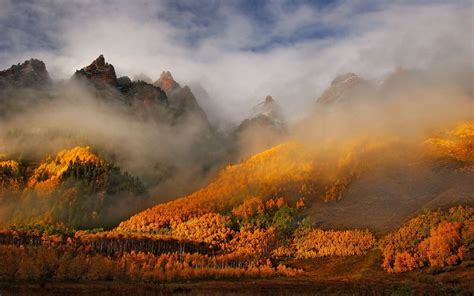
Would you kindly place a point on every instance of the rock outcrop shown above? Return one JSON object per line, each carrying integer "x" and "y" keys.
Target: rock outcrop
{"x": 31, "y": 73}
{"x": 166, "y": 82}
{"x": 99, "y": 72}
{"x": 343, "y": 88}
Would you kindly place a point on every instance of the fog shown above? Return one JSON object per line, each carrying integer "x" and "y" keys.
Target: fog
{"x": 409, "y": 104}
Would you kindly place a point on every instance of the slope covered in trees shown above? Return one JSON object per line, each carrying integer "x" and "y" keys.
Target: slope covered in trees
{"x": 75, "y": 187}
{"x": 291, "y": 171}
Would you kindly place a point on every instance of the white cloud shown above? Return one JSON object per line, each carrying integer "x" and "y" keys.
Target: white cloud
{"x": 139, "y": 37}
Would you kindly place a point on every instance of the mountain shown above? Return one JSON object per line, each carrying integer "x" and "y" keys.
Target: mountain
{"x": 436, "y": 174}
{"x": 99, "y": 72}
{"x": 143, "y": 99}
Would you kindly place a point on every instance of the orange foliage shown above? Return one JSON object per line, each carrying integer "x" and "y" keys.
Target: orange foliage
{"x": 311, "y": 243}
{"x": 256, "y": 243}
{"x": 40, "y": 263}
{"x": 300, "y": 203}
{"x": 249, "y": 207}
{"x": 443, "y": 244}
{"x": 404, "y": 262}
{"x": 434, "y": 238}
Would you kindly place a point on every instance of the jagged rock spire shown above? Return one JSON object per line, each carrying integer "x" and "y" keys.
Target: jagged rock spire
{"x": 166, "y": 81}
{"x": 99, "y": 72}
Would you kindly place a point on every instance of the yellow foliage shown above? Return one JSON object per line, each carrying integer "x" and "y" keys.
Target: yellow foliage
{"x": 457, "y": 143}
{"x": 11, "y": 164}
{"x": 48, "y": 174}
{"x": 10, "y": 178}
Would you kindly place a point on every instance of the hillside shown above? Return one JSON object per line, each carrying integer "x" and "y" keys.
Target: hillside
{"x": 345, "y": 185}
{"x": 290, "y": 170}
{"x": 435, "y": 173}
{"x": 75, "y": 187}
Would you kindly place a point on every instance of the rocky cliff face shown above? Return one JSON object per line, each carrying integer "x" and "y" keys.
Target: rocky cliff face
{"x": 31, "y": 73}
{"x": 182, "y": 102}
{"x": 166, "y": 82}
{"x": 22, "y": 87}
{"x": 99, "y": 72}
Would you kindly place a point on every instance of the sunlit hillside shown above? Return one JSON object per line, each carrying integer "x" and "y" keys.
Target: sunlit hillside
{"x": 52, "y": 171}
{"x": 291, "y": 171}
{"x": 456, "y": 144}
{"x": 75, "y": 187}
{"x": 326, "y": 172}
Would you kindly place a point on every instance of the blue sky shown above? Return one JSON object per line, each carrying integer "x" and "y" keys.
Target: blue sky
{"x": 240, "y": 51}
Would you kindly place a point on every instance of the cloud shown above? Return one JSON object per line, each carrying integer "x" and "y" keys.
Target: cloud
{"x": 241, "y": 51}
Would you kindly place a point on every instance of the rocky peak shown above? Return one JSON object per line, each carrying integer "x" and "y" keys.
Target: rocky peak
{"x": 268, "y": 108}
{"x": 99, "y": 72}
{"x": 96, "y": 65}
{"x": 346, "y": 78}
{"x": 166, "y": 81}
{"x": 30, "y": 73}
{"x": 268, "y": 100}
{"x": 340, "y": 87}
